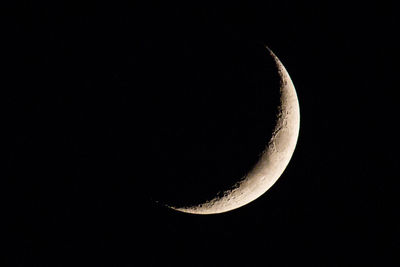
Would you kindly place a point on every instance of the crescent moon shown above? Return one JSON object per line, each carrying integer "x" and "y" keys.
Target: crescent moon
{"x": 273, "y": 160}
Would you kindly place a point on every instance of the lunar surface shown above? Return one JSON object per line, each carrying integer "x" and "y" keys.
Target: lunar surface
{"x": 271, "y": 163}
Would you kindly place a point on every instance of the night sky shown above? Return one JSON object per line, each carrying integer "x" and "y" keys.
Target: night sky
{"x": 114, "y": 108}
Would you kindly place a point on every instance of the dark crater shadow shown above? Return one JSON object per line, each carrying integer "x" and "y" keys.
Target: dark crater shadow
{"x": 210, "y": 109}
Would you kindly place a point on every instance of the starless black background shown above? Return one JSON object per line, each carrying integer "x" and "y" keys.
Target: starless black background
{"x": 108, "y": 105}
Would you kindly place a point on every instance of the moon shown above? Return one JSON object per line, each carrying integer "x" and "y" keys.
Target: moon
{"x": 273, "y": 160}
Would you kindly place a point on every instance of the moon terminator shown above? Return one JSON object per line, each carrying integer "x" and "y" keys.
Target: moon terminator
{"x": 273, "y": 160}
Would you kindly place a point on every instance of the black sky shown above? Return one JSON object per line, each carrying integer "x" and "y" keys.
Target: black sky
{"x": 106, "y": 103}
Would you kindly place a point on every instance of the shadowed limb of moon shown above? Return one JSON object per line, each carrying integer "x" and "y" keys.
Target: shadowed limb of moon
{"x": 273, "y": 160}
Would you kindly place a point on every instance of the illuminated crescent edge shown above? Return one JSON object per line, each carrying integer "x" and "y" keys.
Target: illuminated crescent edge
{"x": 273, "y": 160}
